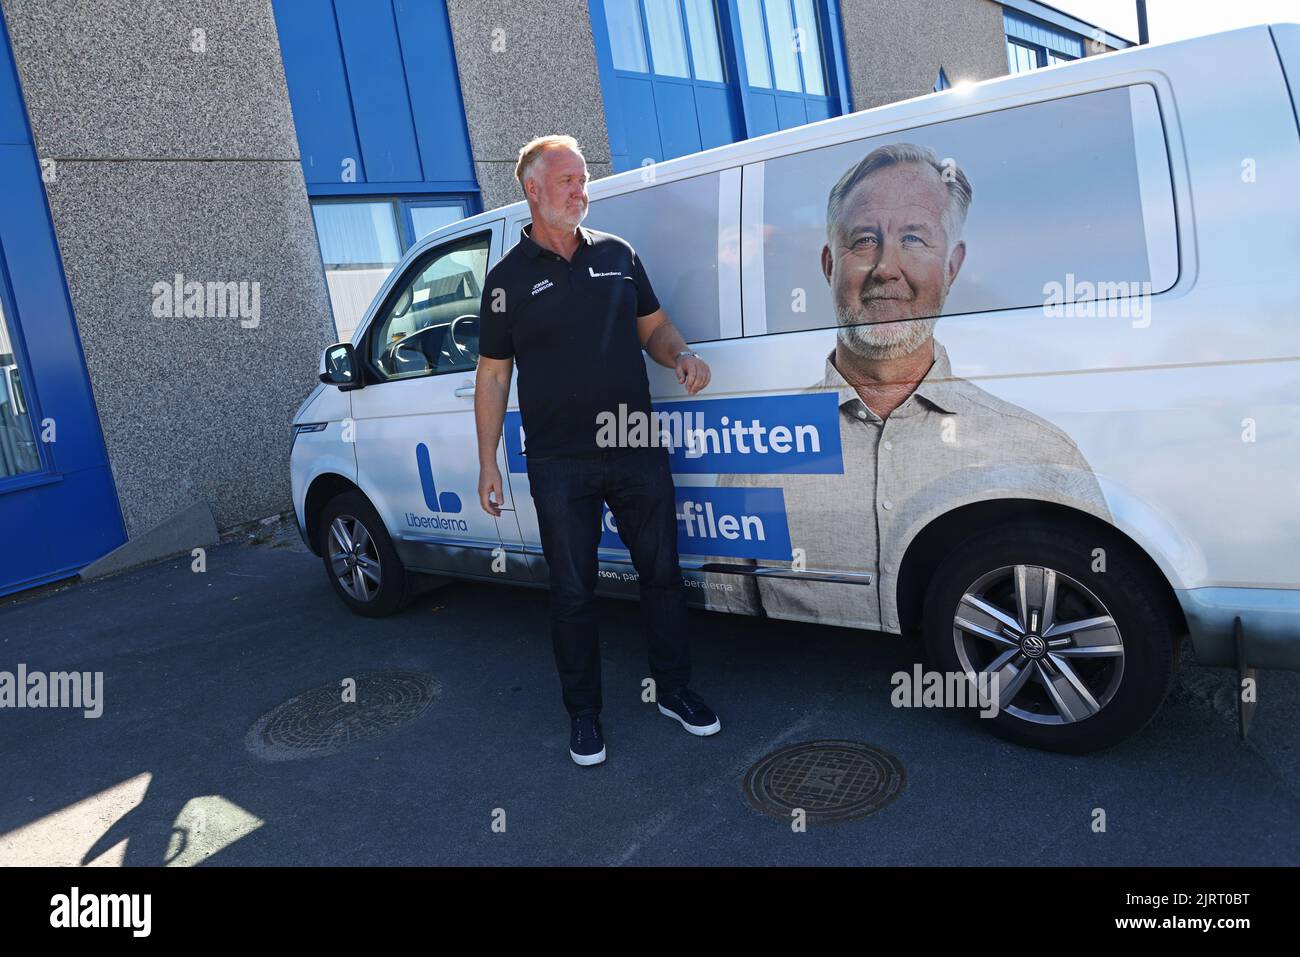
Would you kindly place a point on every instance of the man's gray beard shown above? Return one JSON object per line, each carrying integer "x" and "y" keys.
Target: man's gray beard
{"x": 883, "y": 340}
{"x": 564, "y": 221}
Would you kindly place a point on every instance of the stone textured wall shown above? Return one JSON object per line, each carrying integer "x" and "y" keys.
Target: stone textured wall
{"x": 525, "y": 73}
{"x": 173, "y": 153}
{"x": 895, "y": 47}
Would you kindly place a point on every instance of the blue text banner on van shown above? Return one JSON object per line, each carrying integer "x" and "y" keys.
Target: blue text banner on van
{"x": 758, "y": 435}
{"x": 726, "y": 522}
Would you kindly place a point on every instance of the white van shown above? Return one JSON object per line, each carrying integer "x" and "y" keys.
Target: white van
{"x": 1105, "y": 457}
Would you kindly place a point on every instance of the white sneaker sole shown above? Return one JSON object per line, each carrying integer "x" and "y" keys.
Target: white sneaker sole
{"x": 702, "y": 732}
{"x": 587, "y": 760}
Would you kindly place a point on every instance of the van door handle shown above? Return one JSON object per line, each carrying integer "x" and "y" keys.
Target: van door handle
{"x": 464, "y": 391}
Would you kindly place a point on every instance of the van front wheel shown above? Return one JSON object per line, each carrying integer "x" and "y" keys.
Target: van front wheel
{"x": 1068, "y": 631}
{"x": 359, "y": 557}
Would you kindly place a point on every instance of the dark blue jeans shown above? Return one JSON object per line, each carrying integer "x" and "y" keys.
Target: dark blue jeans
{"x": 568, "y": 492}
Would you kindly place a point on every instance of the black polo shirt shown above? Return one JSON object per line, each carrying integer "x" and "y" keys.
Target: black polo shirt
{"x": 571, "y": 329}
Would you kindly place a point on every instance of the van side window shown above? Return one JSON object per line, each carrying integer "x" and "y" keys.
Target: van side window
{"x": 1060, "y": 205}
{"x": 429, "y": 324}
{"x": 674, "y": 229}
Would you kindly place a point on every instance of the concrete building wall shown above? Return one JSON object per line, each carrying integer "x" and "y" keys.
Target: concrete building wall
{"x": 895, "y": 48}
{"x": 174, "y": 152}
{"x": 525, "y": 72}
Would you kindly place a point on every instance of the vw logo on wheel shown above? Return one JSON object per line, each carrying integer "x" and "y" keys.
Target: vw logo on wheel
{"x": 1033, "y": 646}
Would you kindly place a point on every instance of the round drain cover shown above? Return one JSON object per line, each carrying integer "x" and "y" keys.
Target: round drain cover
{"x": 325, "y": 720}
{"x": 832, "y": 781}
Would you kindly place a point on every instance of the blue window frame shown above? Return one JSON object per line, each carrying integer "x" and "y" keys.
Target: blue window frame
{"x": 669, "y": 38}
{"x": 20, "y": 453}
{"x": 783, "y": 45}
{"x": 1034, "y": 43}
{"x": 58, "y": 503}
{"x": 424, "y": 216}
{"x": 684, "y": 75}
{"x": 363, "y": 238}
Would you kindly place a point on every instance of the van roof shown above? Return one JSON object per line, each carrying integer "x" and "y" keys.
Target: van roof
{"x": 919, "y": 109}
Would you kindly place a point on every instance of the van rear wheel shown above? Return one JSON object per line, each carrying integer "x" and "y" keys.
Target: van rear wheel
{"x": 359, "y": 557}
{"x": 1082, "y": 658}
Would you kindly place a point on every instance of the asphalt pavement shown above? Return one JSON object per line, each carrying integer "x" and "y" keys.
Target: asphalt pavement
{"x": 192, "y": 660}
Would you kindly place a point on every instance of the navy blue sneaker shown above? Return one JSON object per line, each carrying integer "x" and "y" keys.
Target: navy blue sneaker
{"x": 586, "y": 743}
{"x": 690, "y": 710}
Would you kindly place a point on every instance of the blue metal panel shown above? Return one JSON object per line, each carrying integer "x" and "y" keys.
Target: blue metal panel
{"x": 837, "y": 64}
{"x": 762, "y": 113}
{"x": 790, "y": 111}
{"x": 1042, "y": 34}
{"x": 66, "y": 515}
{"x": 733, "y": 56}
{"x": 380, "y": 101}
{"x": 434, "y": 84}
{"x": 818, "y": 109}
{"x": 718, "y": 121}
{"x": 1056, "y": 19}
{"x": 13, "y": 118}
{"x": 653, "y": 116}
{"x": 610, "y": 89}
{"x": 318, "y": 90}
{"x": 376, "y": 83}
{"x": 635, "y": 100}
{"x": 679, "y": 130}
{"x": 768, "y": 110}
{"x": 392, "y": 189}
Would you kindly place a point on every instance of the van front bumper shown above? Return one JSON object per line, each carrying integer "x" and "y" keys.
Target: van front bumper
{"x": 1270, "y": 623}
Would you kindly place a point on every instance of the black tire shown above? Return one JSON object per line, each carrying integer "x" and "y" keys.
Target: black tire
{"x": 395, "y": 586}
{"x": 1053, "y": 709}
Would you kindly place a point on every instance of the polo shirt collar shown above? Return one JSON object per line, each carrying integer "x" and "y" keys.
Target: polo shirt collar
{"x": 936, "y": 388}
{"x": 533, "y": 250}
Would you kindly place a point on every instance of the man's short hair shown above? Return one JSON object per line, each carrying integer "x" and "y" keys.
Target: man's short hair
{"x": 959, "y": 188}
{"x": 533, "y": 149}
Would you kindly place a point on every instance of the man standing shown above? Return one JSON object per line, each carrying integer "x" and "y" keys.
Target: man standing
{"x": 575, "y": 308}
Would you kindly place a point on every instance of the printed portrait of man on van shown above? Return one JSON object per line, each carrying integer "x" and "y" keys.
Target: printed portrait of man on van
{"x": 916, "y": 439}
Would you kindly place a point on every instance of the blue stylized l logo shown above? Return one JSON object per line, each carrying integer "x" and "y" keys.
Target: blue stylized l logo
{"x": 448, "y": 502}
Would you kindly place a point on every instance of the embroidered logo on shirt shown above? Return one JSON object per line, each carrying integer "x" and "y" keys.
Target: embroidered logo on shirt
{"x": 595, "y": 275}
{"x": 542, "y": 286}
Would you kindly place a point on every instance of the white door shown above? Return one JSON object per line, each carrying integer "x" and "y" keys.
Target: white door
{"x": 414, "y": 420}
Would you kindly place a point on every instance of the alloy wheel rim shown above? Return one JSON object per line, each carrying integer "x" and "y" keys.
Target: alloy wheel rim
{"x": 1055, "y": 648}
{"x": 354, "y": 558}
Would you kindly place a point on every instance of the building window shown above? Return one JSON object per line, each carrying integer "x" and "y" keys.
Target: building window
{"x": 1034, "y": 43}
{"x": 781, "y": 40}
{"x": 18, "y": 452}
{"x": 1021, "y": 57}
{"x": 362, "y": 240}
{"x": 626, "y": 36}
{"x": 702, "y": 30}
{"x": 668, "y": 90}
{"x": 677, "y": 38}
{"x": 431, "y": 215}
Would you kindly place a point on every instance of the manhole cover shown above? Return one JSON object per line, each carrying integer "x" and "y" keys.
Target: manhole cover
{"x": 832, "y": 781}
{"x": 322, "y": 721}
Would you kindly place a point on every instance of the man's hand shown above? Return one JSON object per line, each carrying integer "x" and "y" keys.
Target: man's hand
{"x": 489, "y": 483}
{"x": 693, "y": 373}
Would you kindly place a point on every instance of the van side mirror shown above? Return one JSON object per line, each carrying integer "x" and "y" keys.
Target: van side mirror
{"x": 338, "y": 366}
